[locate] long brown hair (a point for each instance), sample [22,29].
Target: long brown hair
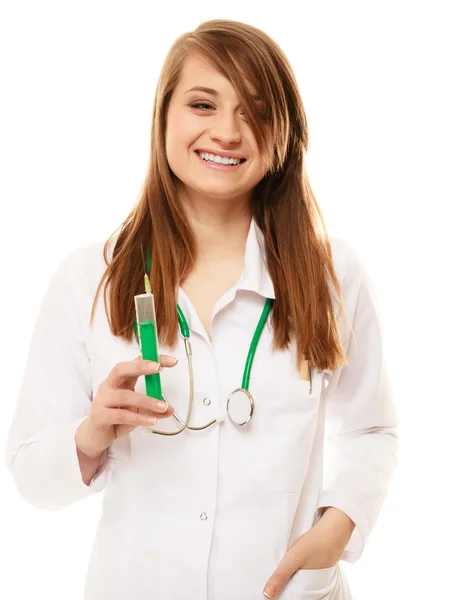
[298,251]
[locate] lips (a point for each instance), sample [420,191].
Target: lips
[218,166]
[221,154]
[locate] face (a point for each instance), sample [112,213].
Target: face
[210,124]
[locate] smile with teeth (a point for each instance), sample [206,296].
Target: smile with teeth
[224,160]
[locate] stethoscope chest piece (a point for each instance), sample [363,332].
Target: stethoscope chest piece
[240,406]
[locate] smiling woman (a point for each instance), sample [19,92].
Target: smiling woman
[245,289]
[228,90]
[210,119]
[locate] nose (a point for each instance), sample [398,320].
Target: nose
[225,130]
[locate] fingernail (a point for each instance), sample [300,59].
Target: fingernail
[162,406]
[153,367]
[151,420]
[269,592]
[172,360]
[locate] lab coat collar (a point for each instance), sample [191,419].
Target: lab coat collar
[254,277]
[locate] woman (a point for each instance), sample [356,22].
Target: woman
[229,511]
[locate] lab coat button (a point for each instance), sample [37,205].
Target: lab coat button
[203,516]
[206,401]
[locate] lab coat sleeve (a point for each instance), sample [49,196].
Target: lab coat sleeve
[55,396]
[361,418]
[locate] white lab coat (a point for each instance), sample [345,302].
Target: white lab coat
[209,515]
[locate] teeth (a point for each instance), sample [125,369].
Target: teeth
[224,160]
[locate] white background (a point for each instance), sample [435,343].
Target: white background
[78,80]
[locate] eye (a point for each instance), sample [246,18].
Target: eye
[263,113]
[205,106]
[200,105]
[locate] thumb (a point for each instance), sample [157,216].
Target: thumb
[276,583]
[287,567]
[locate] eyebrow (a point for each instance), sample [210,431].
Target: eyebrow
[199,88]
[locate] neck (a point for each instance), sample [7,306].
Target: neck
[221,228]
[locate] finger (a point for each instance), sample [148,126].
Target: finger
[131,399]
[130,369]
[158,415]
[287,567]
[122,416]
[275,584]
[165,360]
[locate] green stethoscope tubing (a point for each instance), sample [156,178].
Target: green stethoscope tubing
[185,332]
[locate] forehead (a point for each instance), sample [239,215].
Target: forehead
[198,70]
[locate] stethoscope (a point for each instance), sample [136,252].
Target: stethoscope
[240,403]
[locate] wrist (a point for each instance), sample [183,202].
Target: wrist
[89,442]
[336,525]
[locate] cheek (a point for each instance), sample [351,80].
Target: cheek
[181,131]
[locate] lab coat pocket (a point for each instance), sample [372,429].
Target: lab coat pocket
[314,584]
[278,438]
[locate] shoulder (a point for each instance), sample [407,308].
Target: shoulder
[346,261]
[84,266]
